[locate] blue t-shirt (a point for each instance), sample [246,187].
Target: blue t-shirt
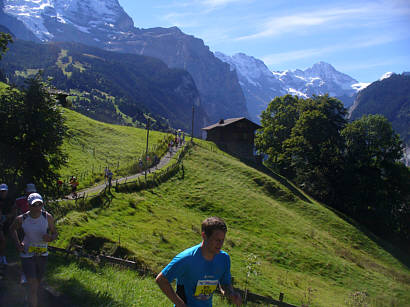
[198,276]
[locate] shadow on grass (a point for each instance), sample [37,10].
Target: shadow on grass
[396,248]
[262,168]
[73,289]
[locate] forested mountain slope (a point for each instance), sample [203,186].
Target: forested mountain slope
[108,86]
[389,97]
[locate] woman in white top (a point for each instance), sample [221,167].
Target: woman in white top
[39,229]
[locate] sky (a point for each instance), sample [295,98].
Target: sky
[362,38]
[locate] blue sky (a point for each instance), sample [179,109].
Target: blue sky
[361,38]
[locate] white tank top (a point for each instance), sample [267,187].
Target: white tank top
[34,230]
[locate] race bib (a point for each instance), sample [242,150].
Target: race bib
[205,288]
[37,249]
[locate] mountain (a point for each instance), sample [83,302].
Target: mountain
[109,86]
[106,25]
[260,85]
[390,96]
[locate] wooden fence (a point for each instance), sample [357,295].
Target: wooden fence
[84,202]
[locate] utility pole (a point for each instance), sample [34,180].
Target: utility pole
[192,131]
[146,150]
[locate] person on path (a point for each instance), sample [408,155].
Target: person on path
[39,229]
[6,216]
[170,146]
[21,206]
[106,170]
[109,178]
[74,184]
[200,269]
[140,164]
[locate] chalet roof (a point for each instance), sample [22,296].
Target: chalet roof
[229,121]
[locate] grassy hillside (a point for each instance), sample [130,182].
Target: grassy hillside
[303,249]
[92,145]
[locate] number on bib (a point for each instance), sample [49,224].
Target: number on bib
[205,288]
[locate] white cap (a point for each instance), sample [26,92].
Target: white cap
[31,188]
[4,187]
[33,198]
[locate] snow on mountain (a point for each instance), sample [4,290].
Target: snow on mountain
[86,16]
[260,85]
[386,75]
[30,13]
[359,86]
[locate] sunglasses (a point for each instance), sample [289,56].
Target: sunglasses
[37,204]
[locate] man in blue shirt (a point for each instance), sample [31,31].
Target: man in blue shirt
[200,269]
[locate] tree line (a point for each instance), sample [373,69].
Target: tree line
[352,166]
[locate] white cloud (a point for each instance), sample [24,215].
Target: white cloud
[362,42]
[292,23]
[181,20]
[213,4]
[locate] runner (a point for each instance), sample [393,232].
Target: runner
[74,183]
[106,174]
[5,218]
[21,205]
[200,269]
[39,229]
[109,177]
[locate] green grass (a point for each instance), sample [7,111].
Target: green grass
[92,145]
[304,249]
[27,73]
[91,285]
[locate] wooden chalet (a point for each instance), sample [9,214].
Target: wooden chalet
[234,135]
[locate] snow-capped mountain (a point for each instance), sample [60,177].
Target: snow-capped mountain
[104,24]
[50,19]
[260,85]
[86,16]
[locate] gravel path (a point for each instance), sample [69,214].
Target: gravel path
[93,190]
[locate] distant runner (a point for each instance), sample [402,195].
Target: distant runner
[39,229]
[109,177]
[200,269]
[74,184]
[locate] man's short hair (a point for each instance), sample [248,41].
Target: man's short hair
[210,224]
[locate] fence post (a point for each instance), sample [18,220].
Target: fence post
[280,299]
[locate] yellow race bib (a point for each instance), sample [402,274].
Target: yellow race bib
[205,288]
[37,249]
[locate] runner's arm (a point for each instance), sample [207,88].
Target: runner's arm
[52,235]
[13,232]
[228,291]
[166,288]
